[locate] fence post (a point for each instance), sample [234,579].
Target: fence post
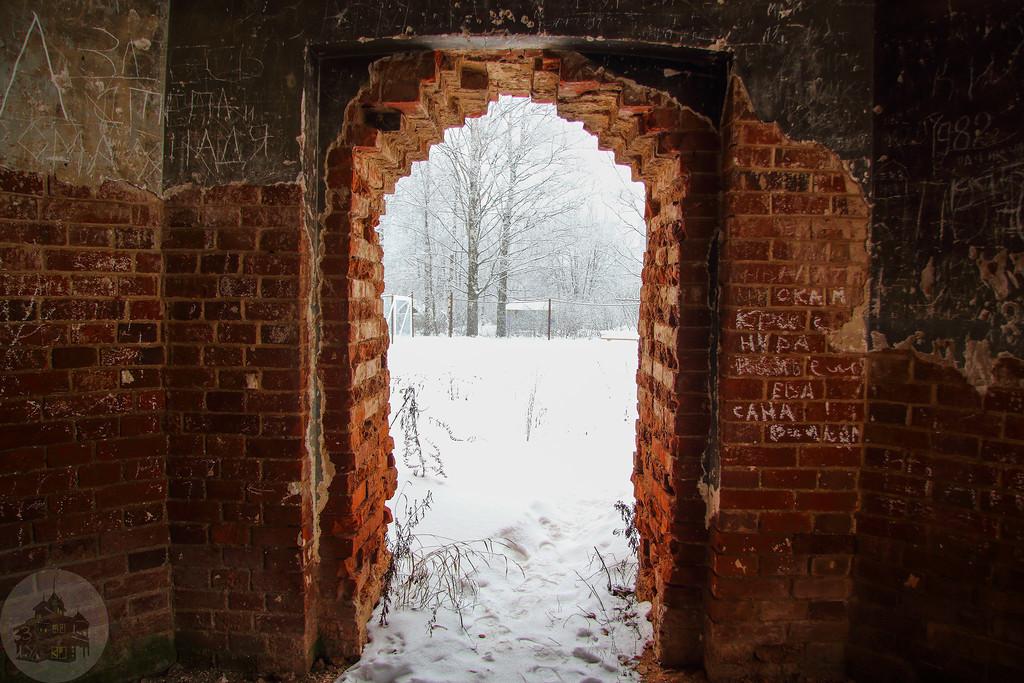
[549,319]
[451,301]
[412,314]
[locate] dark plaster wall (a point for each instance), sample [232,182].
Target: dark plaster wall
[235,70]
[948,234]
[81,89]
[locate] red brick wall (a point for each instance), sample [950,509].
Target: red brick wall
[82,449]
[240,500]
[790,404]
[939,575]
[674,427]
[359,469]
[157,391]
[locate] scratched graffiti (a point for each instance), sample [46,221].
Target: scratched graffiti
[805,63]
[842,435]
[948,229]
[765,412]
[224,134]
[82,90]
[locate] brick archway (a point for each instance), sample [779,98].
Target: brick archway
[410,102]
[750,387]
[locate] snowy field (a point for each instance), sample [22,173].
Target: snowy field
[535,440]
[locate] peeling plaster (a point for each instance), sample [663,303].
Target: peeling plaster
[979,364]
[909,343]
[980,367]
[928,278]
[852,337]
[993,272]
[1000,279]
[712,497]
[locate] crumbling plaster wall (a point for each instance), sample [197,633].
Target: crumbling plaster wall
[941,520]
[81,89]
[948,229]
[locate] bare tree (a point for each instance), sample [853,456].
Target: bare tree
[506,187]
[499,207]
[537,163]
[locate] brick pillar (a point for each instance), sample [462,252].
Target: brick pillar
[359,473]
[240,503]
[674,423]
[791,404]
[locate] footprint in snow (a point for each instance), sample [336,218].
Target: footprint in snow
[387,673]
[592,657]
[586,654]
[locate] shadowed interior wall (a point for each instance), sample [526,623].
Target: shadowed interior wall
[193,378]
[940,530]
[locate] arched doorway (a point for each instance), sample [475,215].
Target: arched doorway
[407,105]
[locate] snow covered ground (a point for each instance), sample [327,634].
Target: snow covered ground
[535,438]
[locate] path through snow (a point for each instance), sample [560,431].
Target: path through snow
[536,439]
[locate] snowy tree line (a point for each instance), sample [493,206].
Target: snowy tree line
[516,206]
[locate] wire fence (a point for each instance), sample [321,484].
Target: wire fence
[532,317]
[619,303]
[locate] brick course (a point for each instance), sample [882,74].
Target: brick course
[791,404]
[240,504]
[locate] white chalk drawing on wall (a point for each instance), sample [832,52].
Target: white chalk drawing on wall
[85,111]
[49,65]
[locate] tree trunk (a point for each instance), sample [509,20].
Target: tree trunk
[502,302]
[428,277]
[472,302]
[473,265]
[474,225]
[503,274]
[505,242]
